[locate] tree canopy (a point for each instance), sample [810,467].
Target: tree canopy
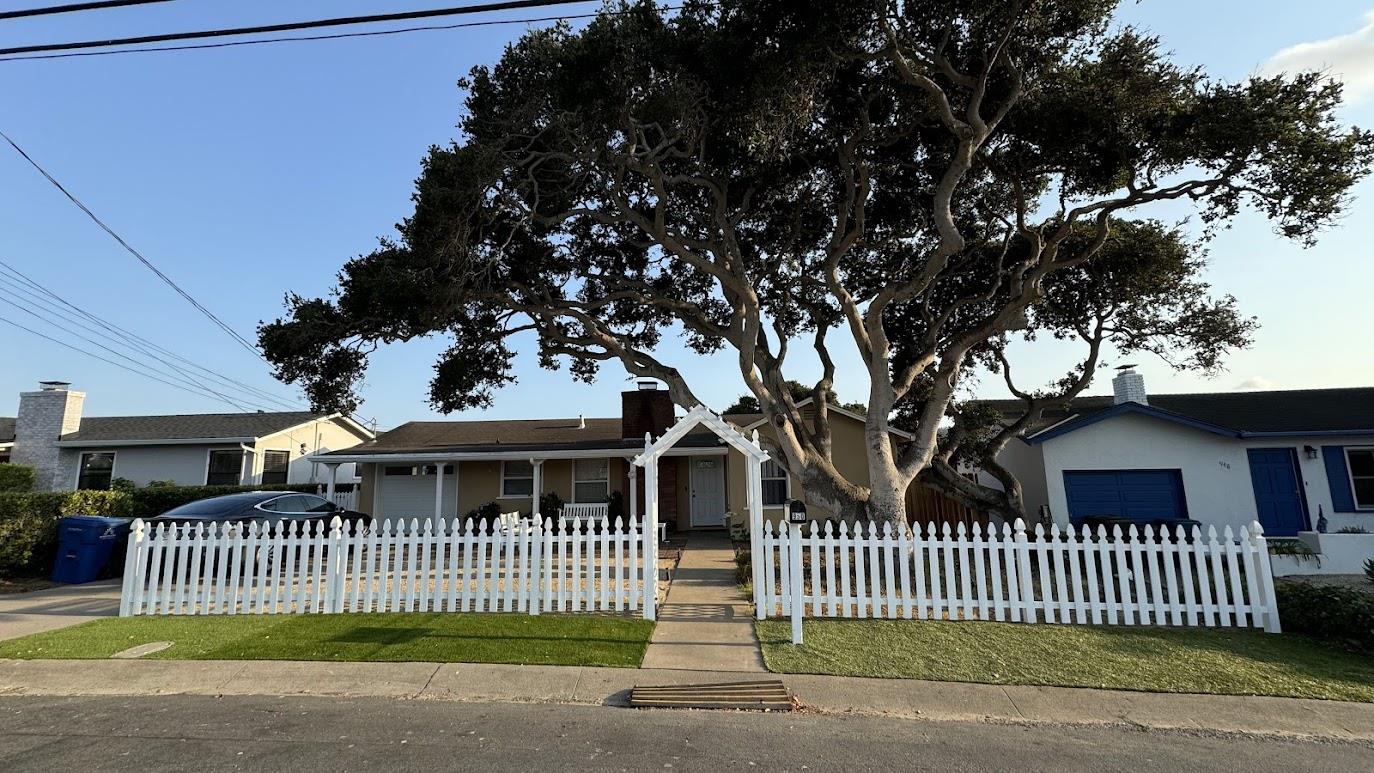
[928,179]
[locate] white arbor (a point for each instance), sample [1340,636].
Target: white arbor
[754,456]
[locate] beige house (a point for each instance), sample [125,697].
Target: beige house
[70,451]
[443,470]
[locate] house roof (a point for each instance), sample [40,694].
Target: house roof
[510,435]
[213,426]
[1281,412]
[6,429]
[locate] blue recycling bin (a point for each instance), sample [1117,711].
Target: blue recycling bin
[85,543]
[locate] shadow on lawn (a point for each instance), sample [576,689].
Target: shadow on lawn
[380,635]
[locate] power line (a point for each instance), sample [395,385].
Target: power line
[75,7]
[147,263]
[17,279]
[308,38]
[289,26]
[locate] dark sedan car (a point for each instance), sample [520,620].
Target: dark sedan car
[259,506]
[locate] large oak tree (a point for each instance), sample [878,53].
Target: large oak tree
[924,178]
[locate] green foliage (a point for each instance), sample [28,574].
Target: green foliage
[744,568]
[1339,615]
[160,496]
[28,525]
[16,477]
[615,505]
[1293,547]
[550,505]
[122,484]
[1352,530]
[1369,569]
[484,514]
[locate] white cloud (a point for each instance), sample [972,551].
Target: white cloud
[1255,383]
[1349,58]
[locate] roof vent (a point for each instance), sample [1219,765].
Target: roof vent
[54,386]
[581,421]
[1128,386]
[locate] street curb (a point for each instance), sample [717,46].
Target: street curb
[587,685]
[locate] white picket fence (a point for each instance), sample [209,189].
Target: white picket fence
[348,500]
[226,569]
[1137,576]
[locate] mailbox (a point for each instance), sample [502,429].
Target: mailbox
[796,511]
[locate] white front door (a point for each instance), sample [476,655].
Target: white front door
[708,492]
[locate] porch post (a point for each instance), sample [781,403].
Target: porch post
[633,509]
[650,543]
[438,493]
[754,495]
[378,476]
[538,465]
[333,480]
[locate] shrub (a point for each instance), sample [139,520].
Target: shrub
[1352,530]
[744,568]
[16,477]
[484,514]
[1342,616]
[550,505]
[28,525]
[1369,569]
[122,484]
[158,497]
[615,506]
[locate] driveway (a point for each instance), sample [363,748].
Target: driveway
[24,613]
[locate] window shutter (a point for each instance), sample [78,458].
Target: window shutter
[1338,479]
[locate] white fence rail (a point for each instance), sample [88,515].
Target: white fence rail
[226,569]
[1137,576]
[348,500]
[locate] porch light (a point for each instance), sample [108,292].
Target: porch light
[1310,452]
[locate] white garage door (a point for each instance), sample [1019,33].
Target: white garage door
[408,492]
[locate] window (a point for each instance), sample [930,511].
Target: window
[96,470]
[776,486]
[274,466]
[1361,463]
[225,469]
[288,504]
[398,471]
[591,480]
[517,478]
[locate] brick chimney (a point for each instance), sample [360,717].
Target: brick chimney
[1128,387]
[44,417]
[646,409]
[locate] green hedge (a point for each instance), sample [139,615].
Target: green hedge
[28,525]
[1341,616]
[156,500]
[16,477]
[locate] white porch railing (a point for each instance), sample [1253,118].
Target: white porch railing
[402,567]
[1140,576]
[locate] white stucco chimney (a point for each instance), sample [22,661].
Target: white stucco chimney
[44,417]
[1128,386]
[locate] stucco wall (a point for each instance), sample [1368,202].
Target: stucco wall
[1215,469]
[183,464]
[317,437]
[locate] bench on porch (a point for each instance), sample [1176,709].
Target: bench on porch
[583,512]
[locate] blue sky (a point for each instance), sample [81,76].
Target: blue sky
[247,172]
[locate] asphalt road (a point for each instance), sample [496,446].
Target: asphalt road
[321,734]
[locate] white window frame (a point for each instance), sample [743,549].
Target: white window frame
[209,452]
[114,462]
[787,483]
[504,477]
[1350,476]
[575,481]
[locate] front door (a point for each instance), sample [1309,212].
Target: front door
[708,492]
[1278,491]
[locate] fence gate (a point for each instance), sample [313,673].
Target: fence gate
[1135,576]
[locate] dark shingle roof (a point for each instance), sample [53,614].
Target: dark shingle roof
[201,425]
[513,435]
[1286,411]
[6,429]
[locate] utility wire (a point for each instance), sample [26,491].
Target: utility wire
[17,279]
[147,263]
[307,38]
[288,26]
[75,7]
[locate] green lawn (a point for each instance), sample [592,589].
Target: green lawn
[1200,660]
[572,640]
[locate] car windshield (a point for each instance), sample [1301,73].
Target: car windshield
[215,505]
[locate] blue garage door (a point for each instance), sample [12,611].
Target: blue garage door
[1141,495]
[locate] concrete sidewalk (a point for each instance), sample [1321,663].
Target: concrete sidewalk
[705,624]
[610,686]
[24,613]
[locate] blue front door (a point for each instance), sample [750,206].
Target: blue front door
[1278,491]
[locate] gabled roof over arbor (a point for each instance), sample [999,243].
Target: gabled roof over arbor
[700,416]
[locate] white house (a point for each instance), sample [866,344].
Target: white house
[1284,458]
[69,451]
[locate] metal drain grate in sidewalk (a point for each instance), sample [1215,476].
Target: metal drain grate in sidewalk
[768,695]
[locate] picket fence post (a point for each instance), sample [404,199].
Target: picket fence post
[334,596]
[1021,547]
[133,577]
[1264,598]
[794,555]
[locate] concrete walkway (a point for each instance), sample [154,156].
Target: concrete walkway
[24,613]
[944,701]
[704,624]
